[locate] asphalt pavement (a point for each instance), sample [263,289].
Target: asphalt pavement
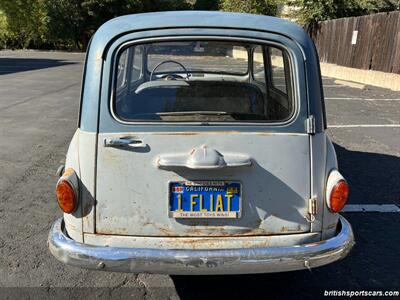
[39,100]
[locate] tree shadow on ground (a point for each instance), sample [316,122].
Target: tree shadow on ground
[14,65]
[374,178]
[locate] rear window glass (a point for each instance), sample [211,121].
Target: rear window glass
[200,57]
[258,65]
[278,71]
[202,81]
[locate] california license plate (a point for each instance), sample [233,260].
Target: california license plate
[205,199]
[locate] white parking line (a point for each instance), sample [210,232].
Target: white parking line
[365,126]
[371,208]
[362,99]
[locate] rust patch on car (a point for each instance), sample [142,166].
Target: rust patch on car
[167,232]
[285,229]
[216,243]
[86,207]
[194,133]
[114,231]
[111,155]
[213,232]
[71,226]
[331,226]
[68,172]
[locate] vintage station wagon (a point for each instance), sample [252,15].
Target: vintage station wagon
[201,149]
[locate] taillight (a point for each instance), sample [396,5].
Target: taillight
[66,192]
[339,195]
[337,191]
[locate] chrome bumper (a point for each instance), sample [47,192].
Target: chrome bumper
[221,261]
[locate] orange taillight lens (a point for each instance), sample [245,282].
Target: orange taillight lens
[66,196]
[339,195]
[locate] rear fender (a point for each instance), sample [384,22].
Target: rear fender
[81,157]
[73,221]
[329,219]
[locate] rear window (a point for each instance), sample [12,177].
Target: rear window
[202,81]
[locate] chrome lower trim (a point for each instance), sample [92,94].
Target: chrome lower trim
[222,261]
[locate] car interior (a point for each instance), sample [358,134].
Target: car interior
[207,81]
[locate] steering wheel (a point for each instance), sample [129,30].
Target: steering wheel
[169,76]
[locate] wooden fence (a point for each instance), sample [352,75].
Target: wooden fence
[368,42]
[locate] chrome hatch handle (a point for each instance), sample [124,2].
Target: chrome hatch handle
[124,142]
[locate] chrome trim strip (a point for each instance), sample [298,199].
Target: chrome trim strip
[224,261]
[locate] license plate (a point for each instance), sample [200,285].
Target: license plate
[205,199]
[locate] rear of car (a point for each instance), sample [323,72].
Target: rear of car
[205,156]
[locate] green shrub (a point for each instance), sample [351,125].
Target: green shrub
[206,5]
[309,12]
[262,7]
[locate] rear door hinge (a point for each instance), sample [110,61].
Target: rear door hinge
[310,125]
[312,209]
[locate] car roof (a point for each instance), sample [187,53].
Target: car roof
[192,19]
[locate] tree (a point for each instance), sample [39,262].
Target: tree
[165,5]
[4,33]
[26,21]
[97,12]
[206,5]
[263,7]
[66,23]
[309,12]
[75,21]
